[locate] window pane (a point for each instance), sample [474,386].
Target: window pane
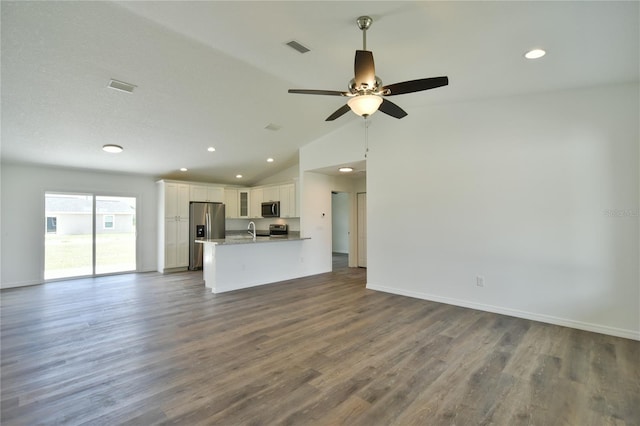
[115,234]
[68,235]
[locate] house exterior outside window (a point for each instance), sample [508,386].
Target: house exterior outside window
[108,221]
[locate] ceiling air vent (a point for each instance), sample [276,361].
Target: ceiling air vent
[273,127]
[121,85]
[297,46]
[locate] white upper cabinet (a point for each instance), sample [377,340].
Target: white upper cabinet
[231,203]
[236,202]
[207,193]
[244,199]
[176,200]
[270,193]
[255,196]
[288,200]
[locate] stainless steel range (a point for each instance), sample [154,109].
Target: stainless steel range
[276,230]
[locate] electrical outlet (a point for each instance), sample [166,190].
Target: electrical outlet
[480,281]
[302,260]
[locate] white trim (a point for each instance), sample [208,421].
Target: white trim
[596,328]
[18,284]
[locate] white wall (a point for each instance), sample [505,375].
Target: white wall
[538,194]
[340,222]
[22,215]
[283,176]
[338,147]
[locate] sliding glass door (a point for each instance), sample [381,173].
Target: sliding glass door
[88,234]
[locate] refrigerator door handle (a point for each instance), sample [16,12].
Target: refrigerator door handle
[208,225]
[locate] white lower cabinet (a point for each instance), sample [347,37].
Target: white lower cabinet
[176,242]
[173,229]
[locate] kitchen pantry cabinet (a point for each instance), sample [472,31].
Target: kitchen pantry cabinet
[173,232]
[214,194]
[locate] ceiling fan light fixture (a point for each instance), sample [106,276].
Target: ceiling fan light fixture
[364,105]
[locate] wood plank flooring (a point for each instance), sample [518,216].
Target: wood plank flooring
[149,349]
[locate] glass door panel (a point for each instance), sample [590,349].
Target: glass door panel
[68,235]
[115,225]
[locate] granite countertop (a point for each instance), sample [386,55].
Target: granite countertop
[245,238]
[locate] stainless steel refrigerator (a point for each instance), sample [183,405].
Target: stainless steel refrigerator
[206,221]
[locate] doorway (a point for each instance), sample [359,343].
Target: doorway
[362,229]
[340,232]
[88,234]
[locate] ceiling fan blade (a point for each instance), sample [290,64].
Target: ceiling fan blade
[365,70]
[391,109]
[318,92]
[416,85]
[339,112]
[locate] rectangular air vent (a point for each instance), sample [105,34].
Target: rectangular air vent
[121,85]
[273,127]
[297,46]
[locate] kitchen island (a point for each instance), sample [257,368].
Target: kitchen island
[239,261]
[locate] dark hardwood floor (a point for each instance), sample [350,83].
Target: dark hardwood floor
[149,349]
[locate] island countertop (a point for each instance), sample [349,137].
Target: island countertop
[238,261]
[244,238]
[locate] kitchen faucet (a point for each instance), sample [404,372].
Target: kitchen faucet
[253,234]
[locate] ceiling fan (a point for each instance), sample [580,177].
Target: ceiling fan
[366,91]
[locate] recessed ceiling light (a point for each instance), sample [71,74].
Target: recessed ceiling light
[183,169]
[238,176]
[211,149]
[113,149]
[535,54]
[270,160]
[345,169]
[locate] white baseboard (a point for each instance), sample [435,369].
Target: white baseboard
[596,328]
[20,284]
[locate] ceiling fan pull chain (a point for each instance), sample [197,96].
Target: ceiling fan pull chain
[366,136]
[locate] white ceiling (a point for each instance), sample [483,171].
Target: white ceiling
[216,73]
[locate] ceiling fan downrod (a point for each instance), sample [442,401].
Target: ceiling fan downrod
[364,22]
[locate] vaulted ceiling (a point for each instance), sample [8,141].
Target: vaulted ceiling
[212,73]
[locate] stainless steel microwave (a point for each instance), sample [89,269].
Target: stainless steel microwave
[271,209]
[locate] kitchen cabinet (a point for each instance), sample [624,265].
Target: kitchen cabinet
[236,202]
[176,200]
[173,232]
[270,193]
[243,203]
[207,193]
[176,243]
[255,197]
[288,200]
[231,203]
